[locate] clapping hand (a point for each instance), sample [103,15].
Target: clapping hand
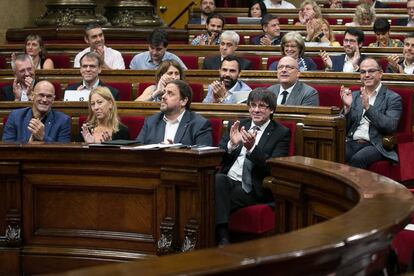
[248,138]
[364,98]
[219,91]
[235,135]
[37,128]
[346,97]
[326,59]
[86,134]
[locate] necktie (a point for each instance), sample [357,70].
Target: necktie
[247,169]
[284,93]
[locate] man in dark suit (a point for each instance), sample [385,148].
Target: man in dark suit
[348,62]
[176,123]
[370,113]
[409,21]
[290,90]
[271,31]
[24,80]
[229,40]
[39,122]
[248,145]
[90,68]
[404,65]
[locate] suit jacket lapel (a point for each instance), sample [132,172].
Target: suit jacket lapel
[266,135]
[380,96]
[182,127]
[160,129]
[295,91]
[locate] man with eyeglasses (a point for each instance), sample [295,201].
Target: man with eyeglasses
[348,62]
[409,21]
[404,65]
[229,89]
[39,122]
[290,90]
[248,144]
[371,113]
[90,68]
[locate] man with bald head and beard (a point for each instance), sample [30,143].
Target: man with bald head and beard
[290,90]
[224,90]
[39,122]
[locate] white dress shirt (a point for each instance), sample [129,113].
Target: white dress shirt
[113,58]
[171,127]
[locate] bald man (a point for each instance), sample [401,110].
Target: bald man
[39,122]
[291,91]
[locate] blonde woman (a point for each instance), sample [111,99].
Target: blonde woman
[103,123]
[167,71]
[308,10]
[364,15]
[319,30]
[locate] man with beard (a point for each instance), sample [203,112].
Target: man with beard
[225,90]
[371,113]
[39,122]
[111,59]
[409,21]
[229,40]
[214,26]
[207,7]
[176,123]
[24,79]
[290,90]
[271,29]
[348,62]
[157,52]
[90,68]
[406,64]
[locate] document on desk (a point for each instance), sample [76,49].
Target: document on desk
[153,146]
[203,148]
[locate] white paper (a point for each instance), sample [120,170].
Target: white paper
[76,95]
[152,146]
[204,148]
[409,227]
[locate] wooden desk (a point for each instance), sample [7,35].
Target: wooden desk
[349,215]
[67,206]
[320,131]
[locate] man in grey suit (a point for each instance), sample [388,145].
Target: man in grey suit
[290,90]
[370,113]
[176,123]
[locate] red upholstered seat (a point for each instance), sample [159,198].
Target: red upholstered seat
[2,62]
[190,61]
[272,59]
[127,59]
[217,126]
[255,61]
[124,88]
[231,19]
[403,171]
[260,218]
[60,60]
[337,21]
[134,124]
[329,95]
[198,90]
[319,63]
[256,85]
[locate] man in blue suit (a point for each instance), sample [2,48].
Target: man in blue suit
[176,123]
[39,122]
[348,62]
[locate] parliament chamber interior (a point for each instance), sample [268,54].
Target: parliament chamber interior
[86,208]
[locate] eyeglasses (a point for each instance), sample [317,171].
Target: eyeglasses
[259,106]
[369,71]
[288,67]
[350,41]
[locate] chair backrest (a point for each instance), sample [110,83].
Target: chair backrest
[292,126]
[319,63]
[217,127]
[60,60]
[127,59]
[404,131]
[134,124]
[272,59]
[124,88]
[255,61]
[3,63]
[329,95]
[190,61]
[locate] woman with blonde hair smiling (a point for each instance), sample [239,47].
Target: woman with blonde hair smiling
[103,123]
[364,15]
[308,10]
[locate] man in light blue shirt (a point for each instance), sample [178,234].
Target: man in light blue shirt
[157,52]
[229,89]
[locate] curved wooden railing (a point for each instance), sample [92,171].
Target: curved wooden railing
[362,212]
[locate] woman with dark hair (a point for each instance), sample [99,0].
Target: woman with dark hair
[257,8]
[168,70]
[293,45]
[35,48]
